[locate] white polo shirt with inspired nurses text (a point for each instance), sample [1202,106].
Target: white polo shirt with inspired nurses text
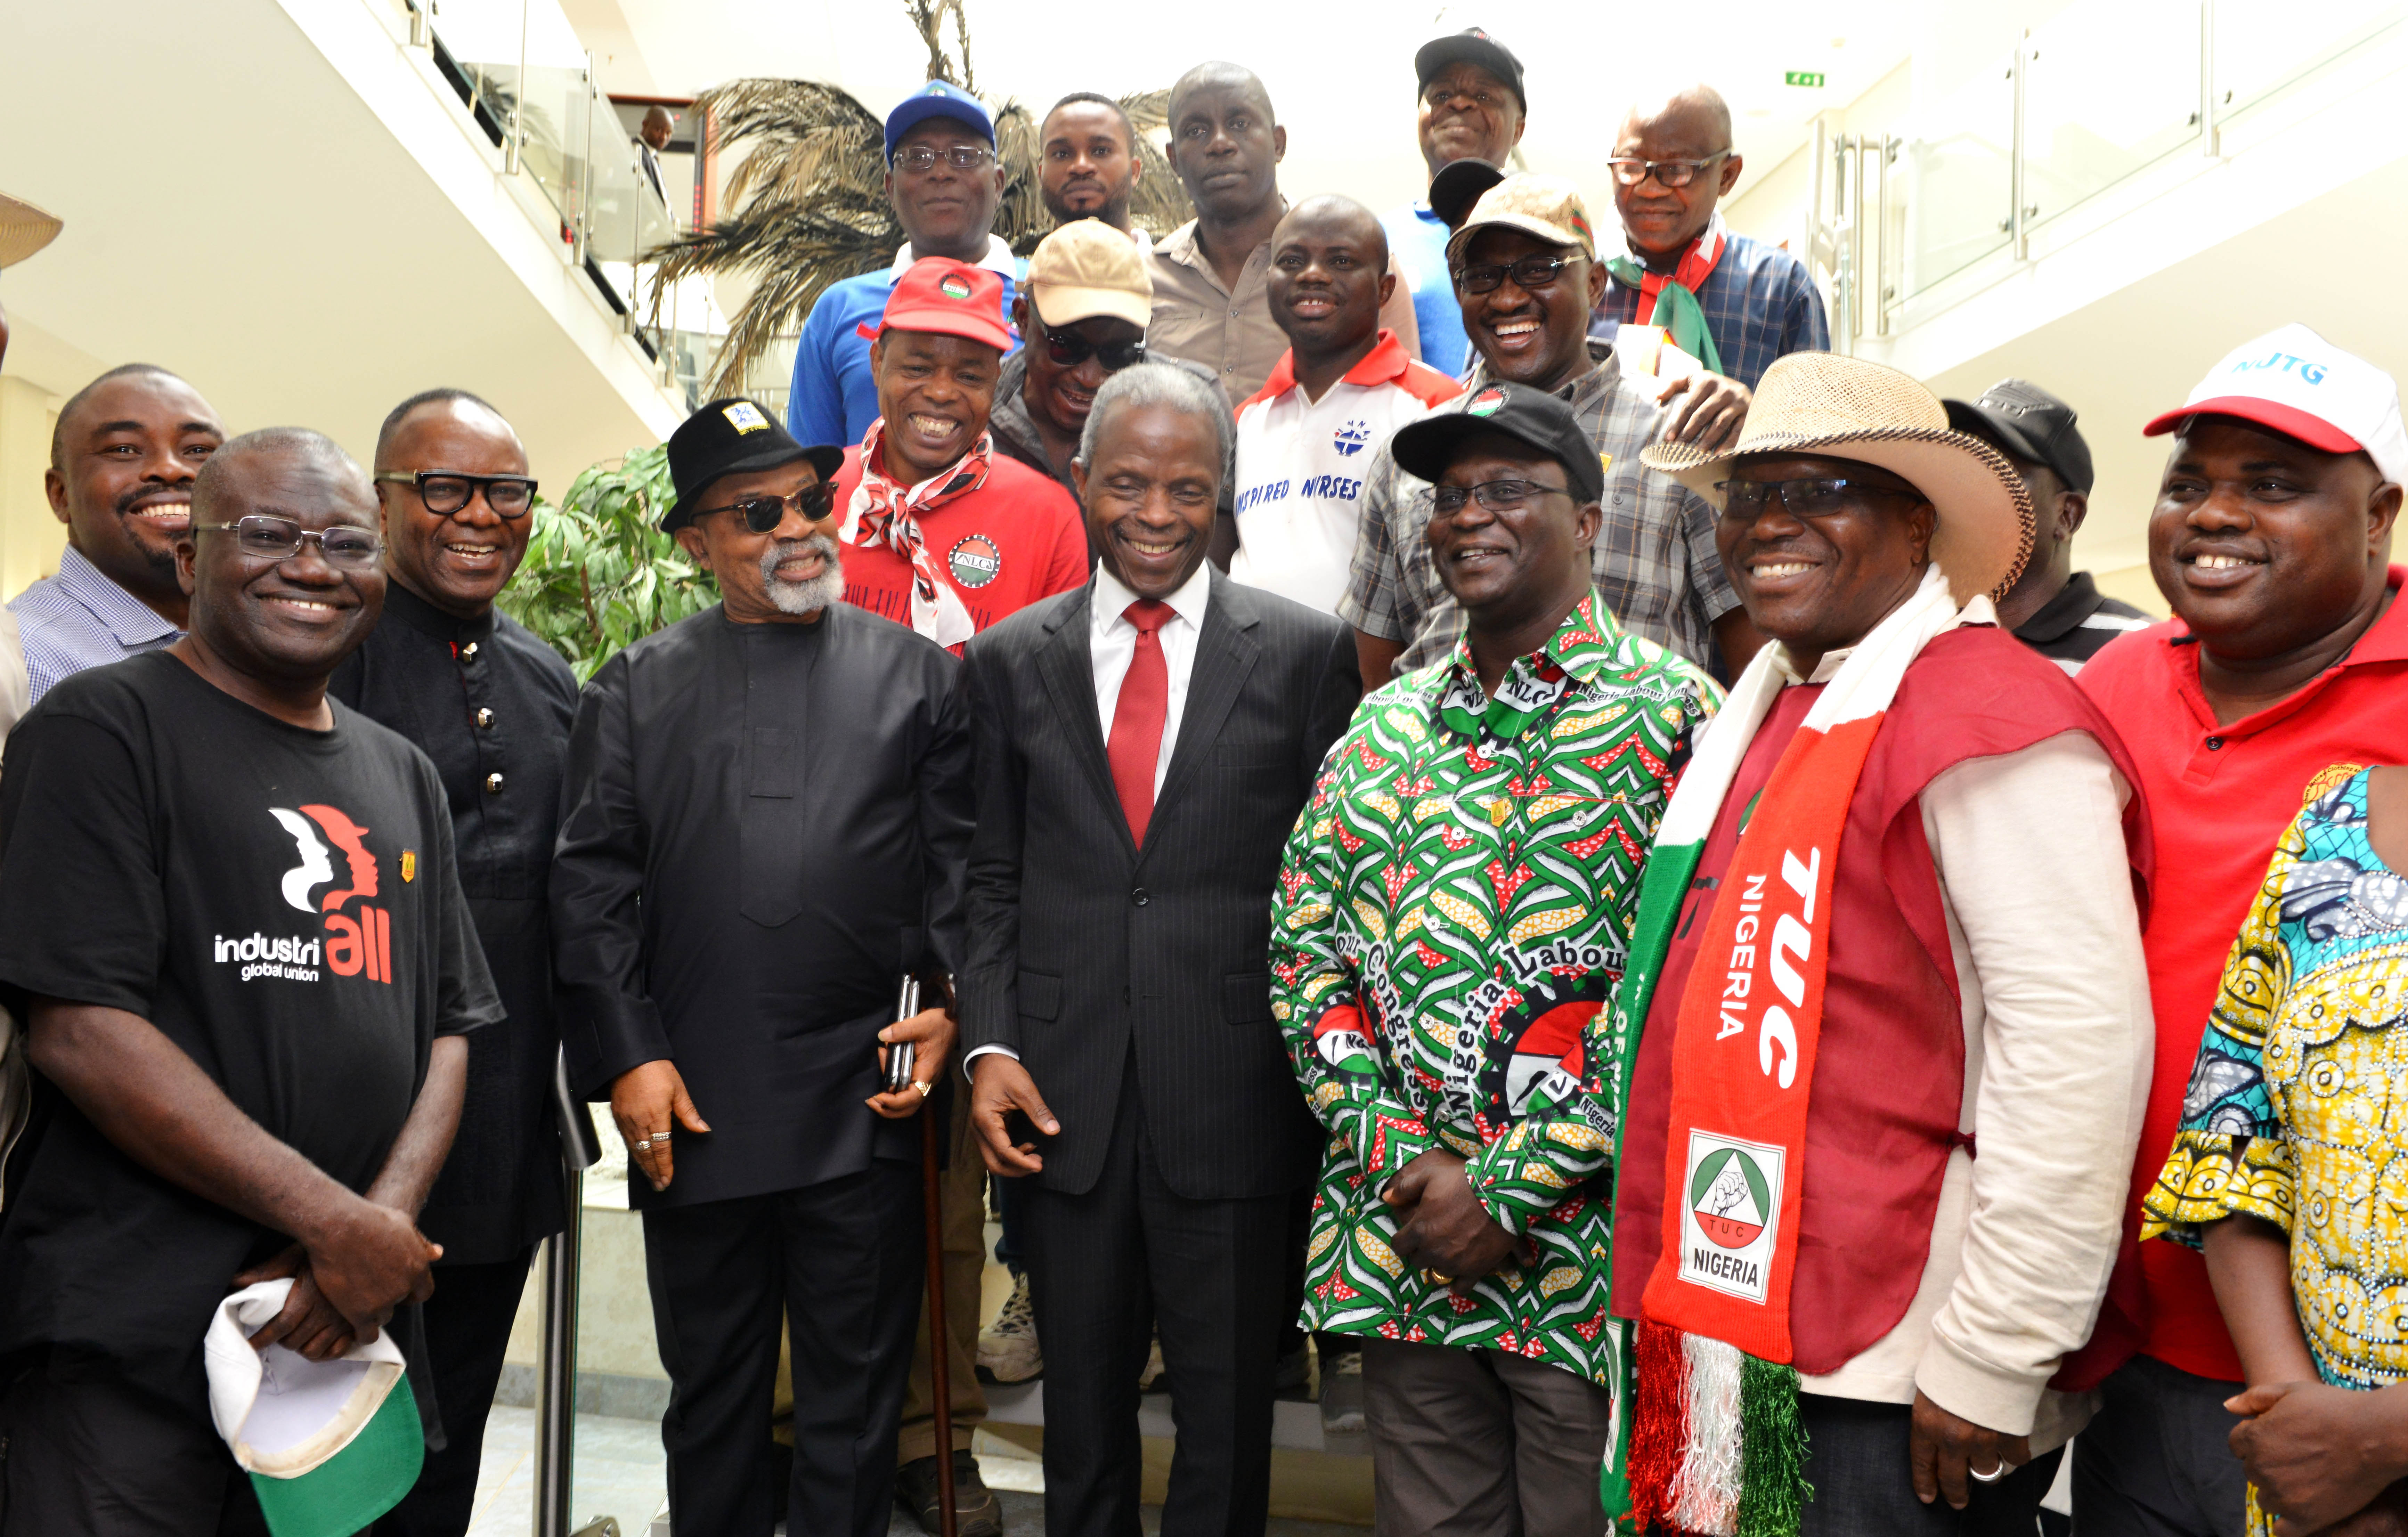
[1300,467]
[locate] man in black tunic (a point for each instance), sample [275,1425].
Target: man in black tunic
[766,817]
[491,704]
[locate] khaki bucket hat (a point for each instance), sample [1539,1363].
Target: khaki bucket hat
[1844,408]
[25,229]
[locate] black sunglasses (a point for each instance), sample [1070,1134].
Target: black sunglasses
[1815,496]
[1068,349]
[1529,274]
[446,492]
[762,514]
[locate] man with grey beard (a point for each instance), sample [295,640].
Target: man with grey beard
[766,814]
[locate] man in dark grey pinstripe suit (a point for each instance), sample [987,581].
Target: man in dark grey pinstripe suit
[1144,744]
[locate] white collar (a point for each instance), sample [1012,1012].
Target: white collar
[998,258]
[1113,597]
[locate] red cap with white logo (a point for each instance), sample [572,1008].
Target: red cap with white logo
[2302,386]
[948,298]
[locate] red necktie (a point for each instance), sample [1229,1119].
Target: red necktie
[1136,744]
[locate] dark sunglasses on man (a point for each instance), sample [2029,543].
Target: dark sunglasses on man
[1529,274]
[1068,349]
[446,492]
[762,514]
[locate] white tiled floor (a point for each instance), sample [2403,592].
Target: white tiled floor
[617,1471]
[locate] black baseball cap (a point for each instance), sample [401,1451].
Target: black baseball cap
[1458,187]
[2025,421]
[1471,46]
[732,437]
[1530,416]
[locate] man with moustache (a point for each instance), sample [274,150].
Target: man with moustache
[941,532]
[1209,274]
[1525,270]
[2288,654]
[490,705]
[1883,1066]
[245,1012]
[124,455]
[1472,107]
[1087,164]
[765,814]
[1343,386]
[944,184]
[1733,302]
[1143,745]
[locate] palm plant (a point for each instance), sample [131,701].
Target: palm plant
[807,203]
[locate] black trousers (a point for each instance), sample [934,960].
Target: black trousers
[1127,1260]
[2156,1459]
[466,1326]
[1858,1462]
[84,1453]
[842,1263]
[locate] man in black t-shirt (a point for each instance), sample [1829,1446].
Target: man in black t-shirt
[230,917]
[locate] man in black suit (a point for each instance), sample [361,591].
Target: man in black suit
[1144,744]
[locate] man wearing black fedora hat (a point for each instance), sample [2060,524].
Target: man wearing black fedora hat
[764,824]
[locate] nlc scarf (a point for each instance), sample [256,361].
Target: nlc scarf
[1710,1441]
[886,512]
[1669,299]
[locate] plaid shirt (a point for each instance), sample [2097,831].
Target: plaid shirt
[1760,303]
[79,619]
[1654,558]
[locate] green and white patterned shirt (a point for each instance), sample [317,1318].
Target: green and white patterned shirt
[1451,918]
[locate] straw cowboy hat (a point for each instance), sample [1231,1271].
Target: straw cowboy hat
[1844,408]
[25,229]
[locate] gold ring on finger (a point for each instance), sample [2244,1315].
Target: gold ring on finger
[922,1086]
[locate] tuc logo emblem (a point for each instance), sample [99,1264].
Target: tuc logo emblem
[1731,1215]
[358,942]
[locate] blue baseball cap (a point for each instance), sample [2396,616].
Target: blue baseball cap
[937,99]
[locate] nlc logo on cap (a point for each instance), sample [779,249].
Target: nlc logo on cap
[1488,402]
[952,285]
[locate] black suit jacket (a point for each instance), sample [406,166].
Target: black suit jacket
[1083,946]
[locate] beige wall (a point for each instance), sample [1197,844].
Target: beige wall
[31,536]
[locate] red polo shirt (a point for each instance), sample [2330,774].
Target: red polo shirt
[2220,797]
[1016,538]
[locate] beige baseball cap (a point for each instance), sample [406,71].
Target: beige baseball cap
[1088,268]
[25,229]
[1547,207]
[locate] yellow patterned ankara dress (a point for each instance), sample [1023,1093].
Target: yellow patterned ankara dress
[2298,1106]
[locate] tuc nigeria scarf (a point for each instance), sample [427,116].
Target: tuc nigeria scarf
[1669,299]
[1710,1443]
[885,511]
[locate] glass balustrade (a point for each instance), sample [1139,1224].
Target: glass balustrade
[1957,181]
[2262,46]
[2108,89]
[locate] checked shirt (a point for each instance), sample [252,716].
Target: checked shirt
[1451,915]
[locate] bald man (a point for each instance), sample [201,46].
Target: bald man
[123,456]
[1735,302]
[650,139]
[247,1034]
[1210,303]
[1306,438]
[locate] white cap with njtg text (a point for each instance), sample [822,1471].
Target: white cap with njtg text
[2303,386]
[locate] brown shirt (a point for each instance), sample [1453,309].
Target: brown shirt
[1232,334]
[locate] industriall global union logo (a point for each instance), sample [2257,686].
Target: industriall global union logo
[1353,439]
[1730,1220]
[355,943]
[975,561]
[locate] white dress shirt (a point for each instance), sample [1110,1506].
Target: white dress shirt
[1111,646]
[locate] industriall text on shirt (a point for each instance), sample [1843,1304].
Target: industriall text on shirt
[350,943]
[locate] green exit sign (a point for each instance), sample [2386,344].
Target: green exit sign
[1811,77]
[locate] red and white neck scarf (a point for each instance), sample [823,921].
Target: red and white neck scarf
[885,511]
[1669,299]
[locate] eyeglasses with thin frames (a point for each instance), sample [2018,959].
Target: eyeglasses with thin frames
[1495,495]
[762,514]
[260,537]
[446,491]
[916,158]
[1529,274]
[1629,170]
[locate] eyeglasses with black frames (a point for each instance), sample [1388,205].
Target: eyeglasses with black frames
[260,537]
[916,158]
[1495,495]
[446,492]
[762,514]
[1629,170]
[1822,497]
[1529,274]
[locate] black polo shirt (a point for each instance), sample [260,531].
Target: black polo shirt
[2075,625]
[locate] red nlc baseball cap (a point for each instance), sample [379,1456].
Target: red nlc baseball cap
[948,298]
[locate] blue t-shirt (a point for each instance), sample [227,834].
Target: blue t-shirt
[1417,240]
[833,399]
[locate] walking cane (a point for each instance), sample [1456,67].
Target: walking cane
[898,1074]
